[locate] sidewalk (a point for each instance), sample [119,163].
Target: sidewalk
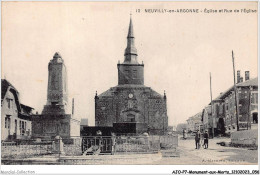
[123,159]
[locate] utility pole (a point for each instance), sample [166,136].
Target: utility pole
[211,106]
[249,108]
[235,89]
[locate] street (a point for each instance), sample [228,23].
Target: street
[214,155]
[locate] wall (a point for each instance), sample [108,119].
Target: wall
[245,138]
[52,125]
[126,74]
[74,127]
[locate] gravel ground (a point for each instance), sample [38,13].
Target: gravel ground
[214,155]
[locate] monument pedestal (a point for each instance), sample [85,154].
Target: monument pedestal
[48,126]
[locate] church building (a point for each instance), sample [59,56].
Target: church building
[131,105]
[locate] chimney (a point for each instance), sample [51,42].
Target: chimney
[241,79]
[238,76]
[247,75]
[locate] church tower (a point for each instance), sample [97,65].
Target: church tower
[131,107]
[57,95]
[130,71]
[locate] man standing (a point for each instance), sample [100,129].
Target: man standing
[197,140]
[206,140]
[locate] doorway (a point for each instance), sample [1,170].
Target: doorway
[221,126]
[255,117]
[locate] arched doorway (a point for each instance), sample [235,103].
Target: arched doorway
[221,126]
[255,117]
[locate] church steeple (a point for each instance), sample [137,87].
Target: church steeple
[130,51]
[130,71]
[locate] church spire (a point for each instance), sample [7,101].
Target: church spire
[130,51]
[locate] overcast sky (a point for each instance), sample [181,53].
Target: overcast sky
[178,49]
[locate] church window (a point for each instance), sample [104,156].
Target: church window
[130,104]
[134,73]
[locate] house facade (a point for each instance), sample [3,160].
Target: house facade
[15,117]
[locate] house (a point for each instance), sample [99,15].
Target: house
[223,118]
[15,116]
[247,95]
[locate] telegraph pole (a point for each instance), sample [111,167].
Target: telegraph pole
[235,89]
[211,105]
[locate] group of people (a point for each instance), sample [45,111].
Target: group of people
[199,137]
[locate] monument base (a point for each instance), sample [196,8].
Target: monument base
[47,126]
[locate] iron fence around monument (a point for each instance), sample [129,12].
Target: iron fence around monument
[88,145]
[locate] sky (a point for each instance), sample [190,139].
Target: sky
[179,50]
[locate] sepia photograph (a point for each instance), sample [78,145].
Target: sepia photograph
[129,83]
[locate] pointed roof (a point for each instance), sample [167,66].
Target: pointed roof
[130,51]
[57,58]
[130,30]
[57,55]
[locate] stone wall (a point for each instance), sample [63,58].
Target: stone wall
[245,138]
[53,125]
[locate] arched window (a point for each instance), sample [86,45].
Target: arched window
[130,118]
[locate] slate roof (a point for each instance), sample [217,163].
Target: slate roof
[252,82]
[110,91]
[4,86]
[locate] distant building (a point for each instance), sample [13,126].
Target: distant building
[131,104]
[15,117]
[180,127]
[83,123]
[194,123]
[206,115]
[55,118]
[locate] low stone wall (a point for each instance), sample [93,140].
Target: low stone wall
[245,138]
[12,150]
[73,149]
